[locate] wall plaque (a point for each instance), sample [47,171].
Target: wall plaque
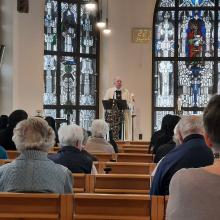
[141,35]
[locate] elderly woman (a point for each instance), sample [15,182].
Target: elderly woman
[32,171]
[97,143]
[71,154]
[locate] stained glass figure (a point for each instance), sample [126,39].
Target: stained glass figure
[68,26]
[50,25]
[50,63]
[88,37]
[196,3]
[186,72]
[86,118]
[165,34]
[87,81]
[196,33]
[68,81]
[164,91]
[71,55]
[195,83]
[167,3]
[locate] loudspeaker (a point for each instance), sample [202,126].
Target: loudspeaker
[23,6]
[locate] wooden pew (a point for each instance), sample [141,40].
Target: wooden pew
[126,167]
[158,206]
[132,157]
[120,183]
[12,154]
[104,156]
[111,206]
[133,150]
[80,182]
[35,206]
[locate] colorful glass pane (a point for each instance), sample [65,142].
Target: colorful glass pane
[50,68]
[86,118]
[164,34]
[167,3]
[158,118]
[68,26]
[196,34]
[195,82]
[87,81]
[164,90]
[50,25]
[88,35]
[68,81]
[192,113]
[196,3]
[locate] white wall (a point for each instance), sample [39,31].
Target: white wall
[22,70]
[21,77]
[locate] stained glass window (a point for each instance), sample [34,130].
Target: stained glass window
[70,62]
[186,56]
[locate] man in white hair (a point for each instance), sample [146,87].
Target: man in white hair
[191,153]
[117,92]
[71,154]
[97,143]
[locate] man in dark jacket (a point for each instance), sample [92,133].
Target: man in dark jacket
[191,153]
[71,154]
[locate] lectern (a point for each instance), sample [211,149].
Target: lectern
[114,115]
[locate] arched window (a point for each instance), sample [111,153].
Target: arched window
[186,51]
[71,48]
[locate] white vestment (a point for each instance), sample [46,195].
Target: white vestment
[125,95]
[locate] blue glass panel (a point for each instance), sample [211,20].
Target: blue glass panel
[87,81]
[195,82]
[68,81]
[86,118]
[196,34]
[50,69]
[164,34]
[50,25]
[219,33]
[164,87]
[88,33]
[196,3]
[68,26]
[192,113]
[158,116]
[167,3]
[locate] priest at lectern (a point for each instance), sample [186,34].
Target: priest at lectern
[118,93]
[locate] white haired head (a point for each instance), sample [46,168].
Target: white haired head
[190,124]
[117,82]
[71,135]
[99,128]
[33,133]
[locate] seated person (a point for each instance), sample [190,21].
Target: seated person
[51,121]
[3,122]
[71,155]
[97,142]
[167,134]
[198,188]
[192,152]
[3,153]
[7,133]
[32,171]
